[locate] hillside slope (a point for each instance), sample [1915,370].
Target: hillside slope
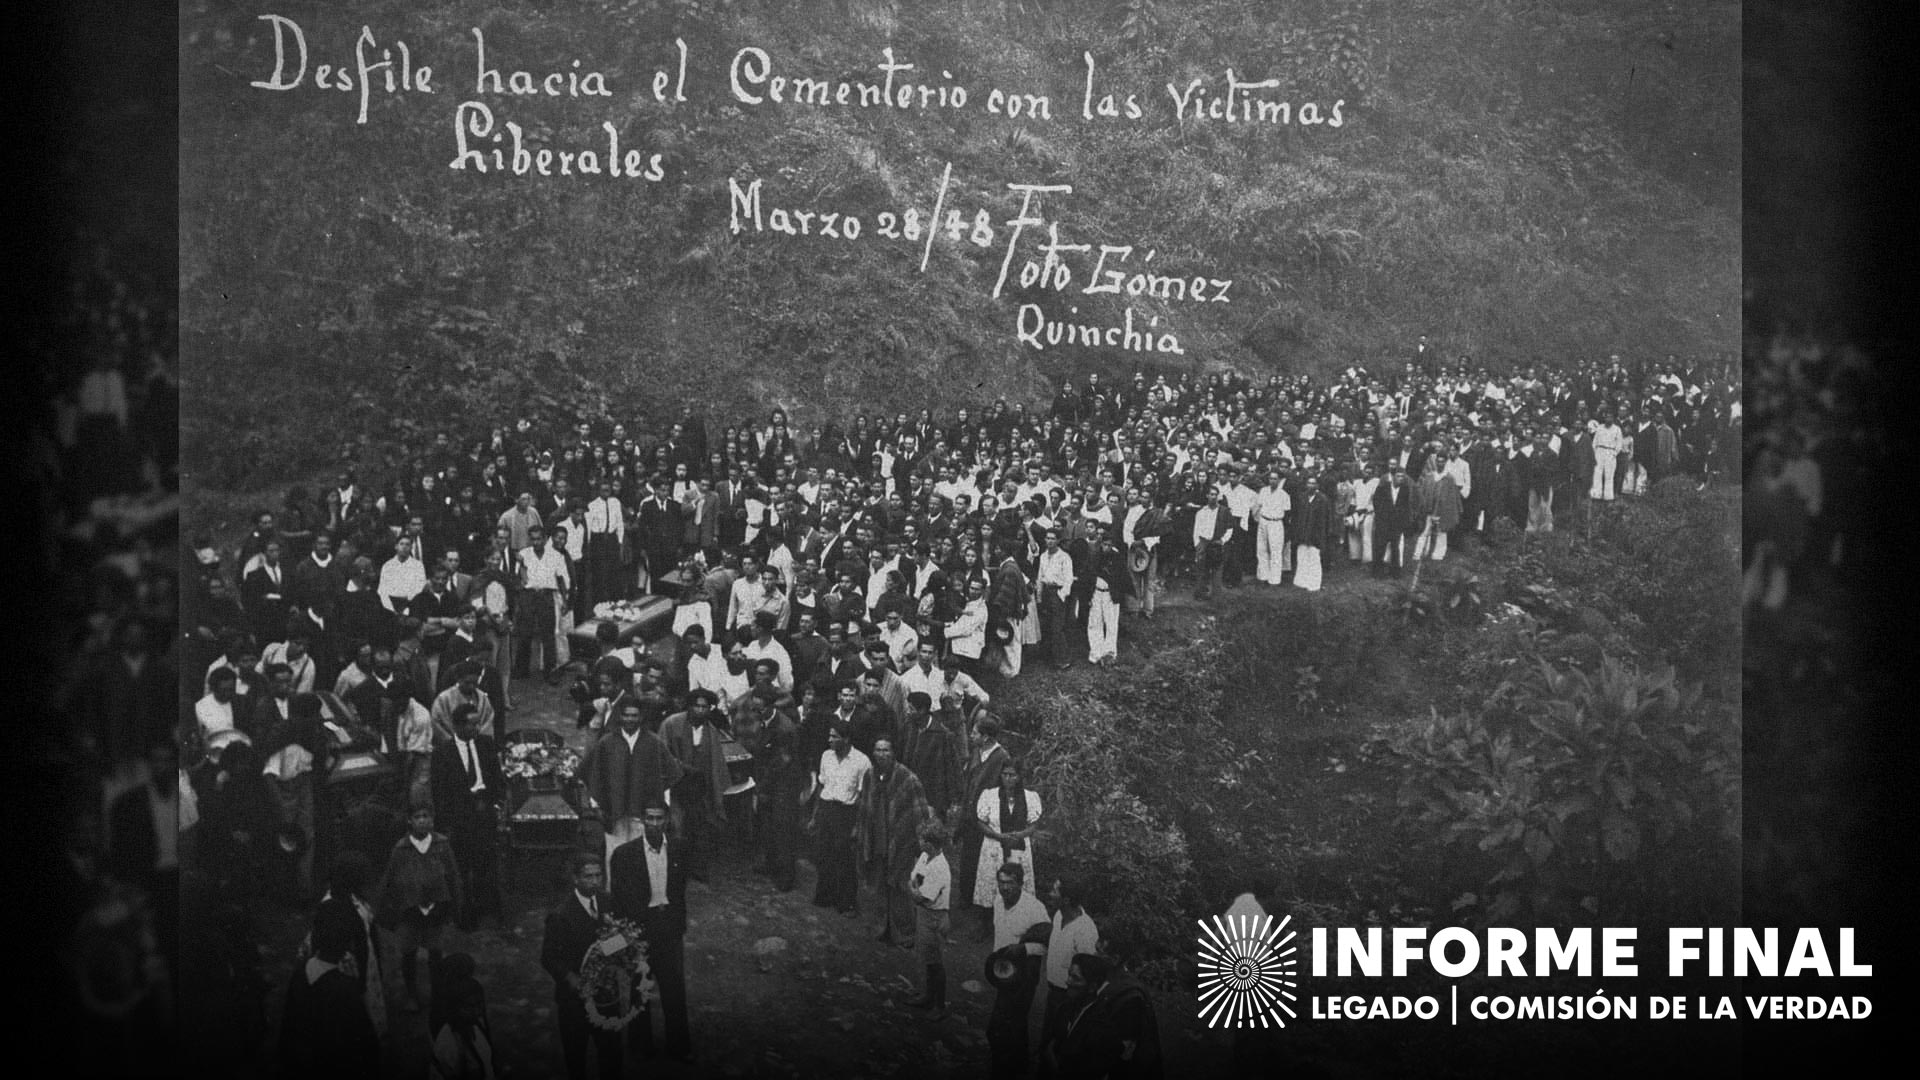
[1521,185]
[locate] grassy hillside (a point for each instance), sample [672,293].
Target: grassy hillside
[1520,184]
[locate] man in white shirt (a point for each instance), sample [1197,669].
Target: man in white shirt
[706,663]
[1130,527]
[1360,522]
[1270,506]
[764,647]
[1240,498]
[649,887]
[1607,441]
[931,882]
[543,575]
[903,644]
[402,578]
[606,532]
[838,787]
[1055,582]
[519,520]
[289,776]
[1020,925]
[215,711]
[1212,533]
[878,573]
[747,597]
[924,676]
[293,653]
[1073,933]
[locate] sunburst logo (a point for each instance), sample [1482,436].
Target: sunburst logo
[1246,971]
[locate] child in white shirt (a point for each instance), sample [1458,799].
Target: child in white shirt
[931,883]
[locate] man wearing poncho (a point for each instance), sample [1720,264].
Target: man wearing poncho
[890,818]
[627,769]
[699,795]
[1314,527]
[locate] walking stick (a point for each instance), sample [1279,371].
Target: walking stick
[1420,557]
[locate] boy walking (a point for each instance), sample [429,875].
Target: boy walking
[931,884]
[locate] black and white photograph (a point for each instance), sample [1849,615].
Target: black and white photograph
[1068,539]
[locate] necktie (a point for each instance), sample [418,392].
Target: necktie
[473,766]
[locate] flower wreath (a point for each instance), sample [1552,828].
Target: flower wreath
[616,982]
[524,761]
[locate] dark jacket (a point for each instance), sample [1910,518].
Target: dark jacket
[325,1030]
[453,805]
[570,931]
[1095,1043]
[1314,521]
[1393,515]
[632,889]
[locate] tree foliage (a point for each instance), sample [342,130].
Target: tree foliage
[1608,796]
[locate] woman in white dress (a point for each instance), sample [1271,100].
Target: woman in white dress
[1008,816]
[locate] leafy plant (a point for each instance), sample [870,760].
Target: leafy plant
[1306,690]
[1610,791]
[1140,25]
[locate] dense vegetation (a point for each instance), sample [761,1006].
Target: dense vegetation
[1546,733]
[1520,184]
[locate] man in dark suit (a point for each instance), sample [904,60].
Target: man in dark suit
[571,930]
[1426,357]
[372,702]
[143,840]
[659,532]
[1392,518]
[461,584]
[325,1029]
[318,579]
[732,492]
[346,903]
[650,888]
[461,646]
[436,605]
[841,666]
[468,789]
[1109,1028]
[264,594]
[700,514]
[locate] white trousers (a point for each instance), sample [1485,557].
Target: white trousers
[1011,656]
[1271,549]
[562,626]
[1603,463]
[1103,627]
[1360,539]
[1540,511]
[1306,570]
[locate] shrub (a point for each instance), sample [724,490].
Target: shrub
[1132,859]
[1612,791]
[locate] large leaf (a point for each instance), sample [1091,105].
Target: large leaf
[1621,786]
[1620,836]
[1570,805]
[1539,846]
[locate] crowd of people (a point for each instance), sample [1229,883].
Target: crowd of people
[990,534]
[845,600]
[101,457]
